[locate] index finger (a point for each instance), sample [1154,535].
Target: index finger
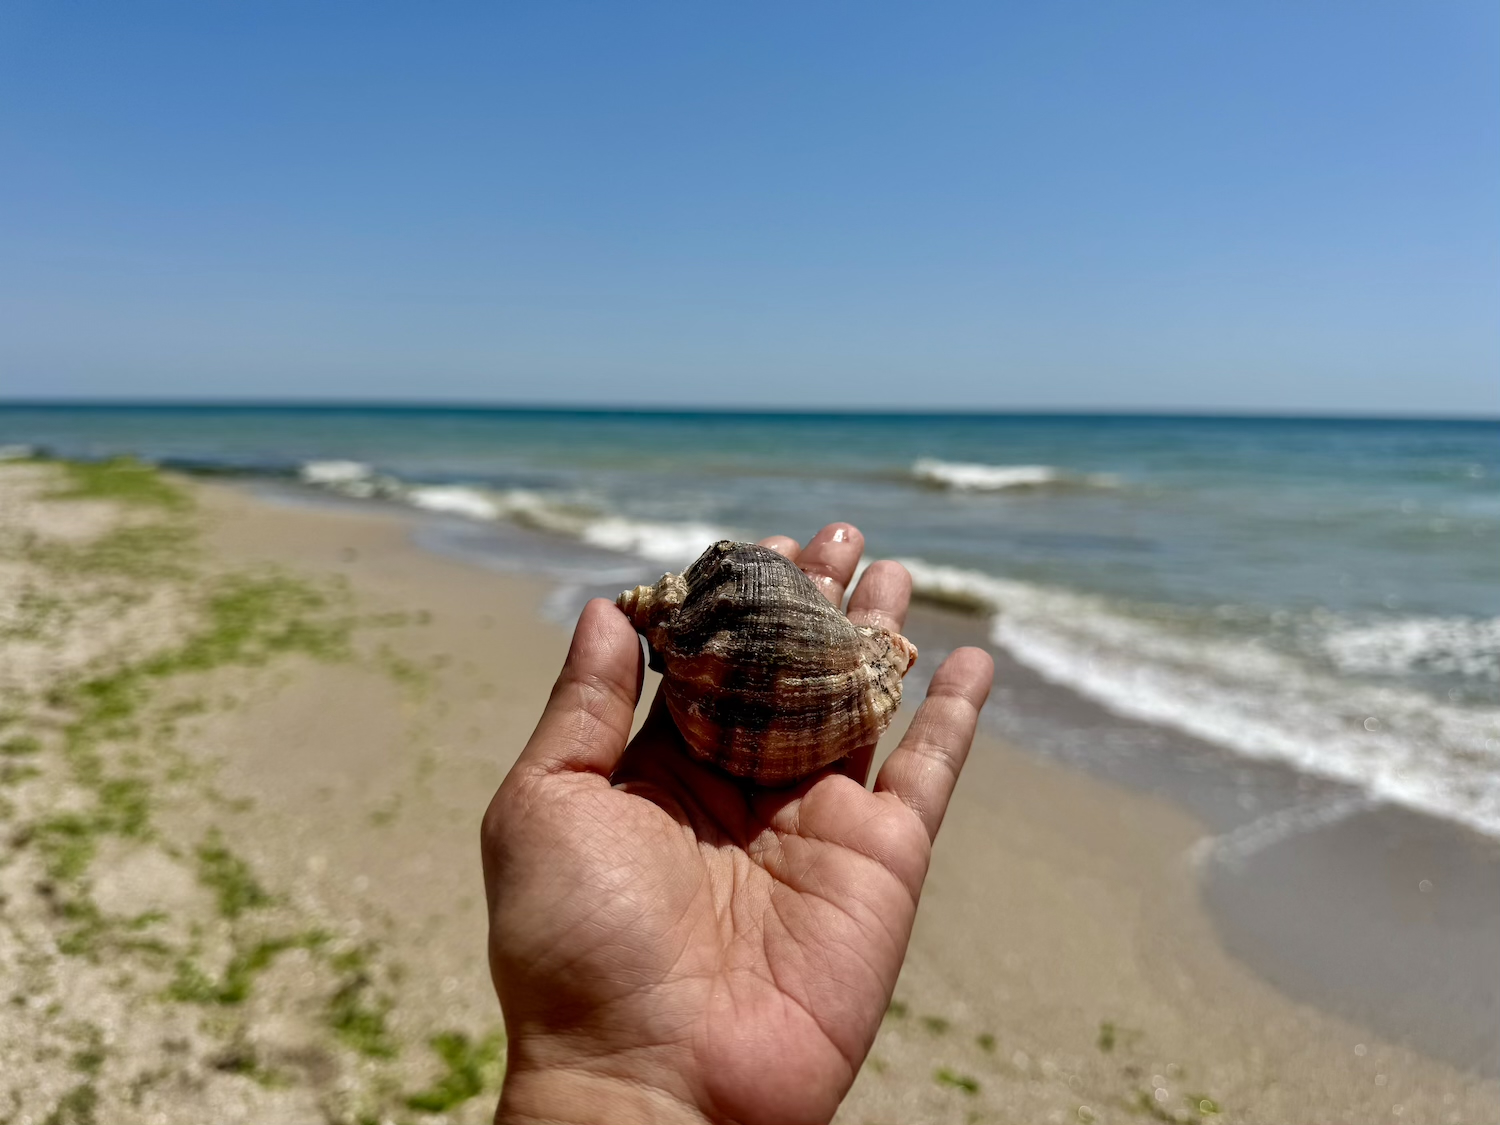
[922,771]
[586,722]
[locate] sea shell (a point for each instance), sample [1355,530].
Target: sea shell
[763,675]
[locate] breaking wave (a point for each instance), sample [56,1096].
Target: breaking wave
[1394,742]
[963,476]
[667,543]
[1443,646]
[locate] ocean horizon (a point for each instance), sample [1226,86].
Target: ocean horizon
[465,406]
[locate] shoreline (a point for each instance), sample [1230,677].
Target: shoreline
[1197,822]
[1064,967]
[1409,953]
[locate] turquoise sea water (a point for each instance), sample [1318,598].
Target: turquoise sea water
[1325,593]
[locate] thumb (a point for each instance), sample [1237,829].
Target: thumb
[587,719]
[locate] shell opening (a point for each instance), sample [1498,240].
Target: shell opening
[905,647]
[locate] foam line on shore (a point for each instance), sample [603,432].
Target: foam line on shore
[659,541]
[1234,848]
[1437,645]
[1394,742]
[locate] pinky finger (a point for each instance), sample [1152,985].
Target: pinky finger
[922,771]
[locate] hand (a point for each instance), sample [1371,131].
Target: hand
[670,944]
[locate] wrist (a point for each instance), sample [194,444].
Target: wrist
[561,1096]
[544,1087]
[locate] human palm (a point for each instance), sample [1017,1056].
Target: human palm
[670,943]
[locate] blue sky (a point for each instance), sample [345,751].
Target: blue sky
[1147,205]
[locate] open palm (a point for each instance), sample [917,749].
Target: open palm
[670,943]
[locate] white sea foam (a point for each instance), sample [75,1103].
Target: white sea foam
[454,500]
[671,543]
[1394,742]
[348,478]
[974,477]
[675,544]
[331,474]
[954,585]
[1434,645]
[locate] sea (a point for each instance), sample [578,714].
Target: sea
[1318,593]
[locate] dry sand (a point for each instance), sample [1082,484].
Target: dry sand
[1062,968]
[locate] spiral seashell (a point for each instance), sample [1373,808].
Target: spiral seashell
[763,676]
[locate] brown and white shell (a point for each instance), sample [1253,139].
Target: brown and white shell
[764,676]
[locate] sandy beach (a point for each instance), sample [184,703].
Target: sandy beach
[245,748]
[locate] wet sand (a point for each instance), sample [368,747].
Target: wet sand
[1387,916]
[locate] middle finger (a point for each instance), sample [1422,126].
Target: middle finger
[783,545]
[830,557]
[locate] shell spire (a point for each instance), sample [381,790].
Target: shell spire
[763,676]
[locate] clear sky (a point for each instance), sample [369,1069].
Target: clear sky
[1188,205]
